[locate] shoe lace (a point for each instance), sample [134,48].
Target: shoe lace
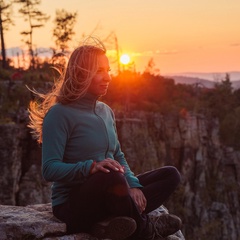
[156,226]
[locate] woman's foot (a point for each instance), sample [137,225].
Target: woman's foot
[116,228]
[163,226]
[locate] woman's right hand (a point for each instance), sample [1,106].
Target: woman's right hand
[105,166]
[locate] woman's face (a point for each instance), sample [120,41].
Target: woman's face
[100,81]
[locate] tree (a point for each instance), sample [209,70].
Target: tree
[230,128]
[63,30]
[150,68]
[221,100]
[5,21]
[35,18]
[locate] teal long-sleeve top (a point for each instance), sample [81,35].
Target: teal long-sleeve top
[75,135]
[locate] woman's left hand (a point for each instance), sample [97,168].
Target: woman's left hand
[139,198]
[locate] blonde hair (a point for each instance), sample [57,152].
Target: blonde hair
[72,84]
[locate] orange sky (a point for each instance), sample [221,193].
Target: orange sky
[180,35]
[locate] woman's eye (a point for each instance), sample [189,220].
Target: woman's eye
[103,70]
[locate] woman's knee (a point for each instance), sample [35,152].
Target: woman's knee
[174,174]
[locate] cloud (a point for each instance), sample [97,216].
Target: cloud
[148,53]
[143,54]
[235,45]
[14,51]
[166,52]
[151,53]
[19,51]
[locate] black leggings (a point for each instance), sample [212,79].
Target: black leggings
[107,194]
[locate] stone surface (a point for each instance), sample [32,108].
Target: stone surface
[11,164]
[37,222]
[22,222]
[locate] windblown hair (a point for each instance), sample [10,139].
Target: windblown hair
[72,84]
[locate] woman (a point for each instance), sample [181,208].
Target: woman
[93,188]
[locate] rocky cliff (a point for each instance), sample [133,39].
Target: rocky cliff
[207,199]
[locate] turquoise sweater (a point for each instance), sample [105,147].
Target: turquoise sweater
[75,135]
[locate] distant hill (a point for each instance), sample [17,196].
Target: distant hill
[203,82]
[236,84]
[212,76]
[193,80]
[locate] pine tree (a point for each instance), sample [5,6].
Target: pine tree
[35,18]
[63,29]
[5,22]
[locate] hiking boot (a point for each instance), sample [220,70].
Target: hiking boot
[116,228]
[164,225]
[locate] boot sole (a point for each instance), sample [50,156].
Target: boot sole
[118,228]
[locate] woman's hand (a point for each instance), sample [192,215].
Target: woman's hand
[105,165]
[139,198]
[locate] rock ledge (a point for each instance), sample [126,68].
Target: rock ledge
[37,222]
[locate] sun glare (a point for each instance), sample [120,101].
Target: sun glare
[125,59]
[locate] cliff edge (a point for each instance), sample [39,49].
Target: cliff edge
[37,222]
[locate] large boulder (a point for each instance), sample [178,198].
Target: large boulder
[37,222]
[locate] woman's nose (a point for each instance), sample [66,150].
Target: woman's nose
[107,77]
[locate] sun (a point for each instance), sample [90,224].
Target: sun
[125,59]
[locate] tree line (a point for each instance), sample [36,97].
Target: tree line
[130,91]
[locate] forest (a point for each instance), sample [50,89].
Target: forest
[129,90]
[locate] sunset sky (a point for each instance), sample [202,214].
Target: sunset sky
[180,35]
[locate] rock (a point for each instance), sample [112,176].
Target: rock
[37,222]
[33,222]
[41,190]
[22,222]
[11,164]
